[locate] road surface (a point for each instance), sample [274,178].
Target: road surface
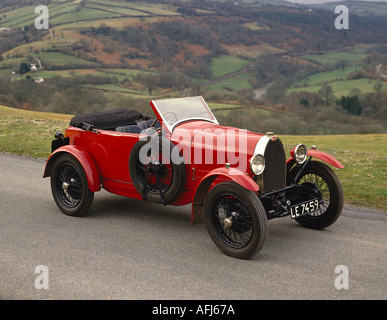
[128,249]
[378,68]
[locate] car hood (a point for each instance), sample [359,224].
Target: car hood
[207,135]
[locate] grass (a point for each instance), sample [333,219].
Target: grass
[65,13]
[60,59]
[337,78]
[19,17]
[333,57]
[142,8]
[26,15]
[84,14]
[365,160]
[29,132]
[343,88]
[239,82]
[32,115]
[363,156]
[216,106]
[328,76]
[223,65]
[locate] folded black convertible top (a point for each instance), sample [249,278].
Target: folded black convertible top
[107,119]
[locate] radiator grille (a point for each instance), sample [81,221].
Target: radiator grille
[274,175]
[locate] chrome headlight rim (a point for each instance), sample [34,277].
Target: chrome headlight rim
[257,164]
[300,153]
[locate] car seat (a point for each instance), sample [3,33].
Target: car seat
[137,128]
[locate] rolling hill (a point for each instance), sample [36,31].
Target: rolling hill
[101,54]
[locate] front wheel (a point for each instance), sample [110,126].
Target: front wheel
[318,176]
[69,186]
[235,219]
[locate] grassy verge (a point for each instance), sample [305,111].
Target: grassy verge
[364,156]
[365,160]
[29,132]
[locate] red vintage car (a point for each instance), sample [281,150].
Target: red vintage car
[235,179]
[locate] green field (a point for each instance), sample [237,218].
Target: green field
[223,65]
[342,88]
[239,82]
[364,156]
[60,59]
[65,13]
[328,76]
[338,78]
[334,57]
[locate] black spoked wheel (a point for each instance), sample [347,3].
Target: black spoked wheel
[155,174]
[155,177]
[235,220]
[320,179]
[69,186]
[232,221]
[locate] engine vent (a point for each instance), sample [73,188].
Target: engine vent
[274,175]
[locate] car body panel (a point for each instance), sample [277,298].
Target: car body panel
[85,160]
[212,178]
[234,178]
[319,155]
[212,153]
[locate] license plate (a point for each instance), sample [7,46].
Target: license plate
[304,208]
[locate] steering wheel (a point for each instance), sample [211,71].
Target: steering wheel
[172,117]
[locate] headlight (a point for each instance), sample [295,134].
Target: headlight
[257,164]
[300,154]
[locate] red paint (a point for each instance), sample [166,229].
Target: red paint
[85,160]
[104,156]
[319,155]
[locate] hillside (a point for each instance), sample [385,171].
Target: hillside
[101,54]
[365,8]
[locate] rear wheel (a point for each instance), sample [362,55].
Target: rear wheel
[235,219]
[69,186]
[321,178]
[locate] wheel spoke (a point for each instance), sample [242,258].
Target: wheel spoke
[323,189]
[70,195]
[239,234]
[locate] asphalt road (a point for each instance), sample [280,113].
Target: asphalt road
[128,249]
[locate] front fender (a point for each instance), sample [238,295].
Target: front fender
[205,183]
[84,159]
[319,155]
[233,174]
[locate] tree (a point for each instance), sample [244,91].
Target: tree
[149,80]
[326,93]
[305,102]
[351,104]
[24,67]
[378,86]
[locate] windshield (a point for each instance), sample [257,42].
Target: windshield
[175,111]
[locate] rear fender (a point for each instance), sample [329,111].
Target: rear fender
[205,184]
[316,154]
[84,159]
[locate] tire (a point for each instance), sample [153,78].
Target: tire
[248,230]
[70,187]
[172,175]
[321,177]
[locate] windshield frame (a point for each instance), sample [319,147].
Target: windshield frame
[171,127]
